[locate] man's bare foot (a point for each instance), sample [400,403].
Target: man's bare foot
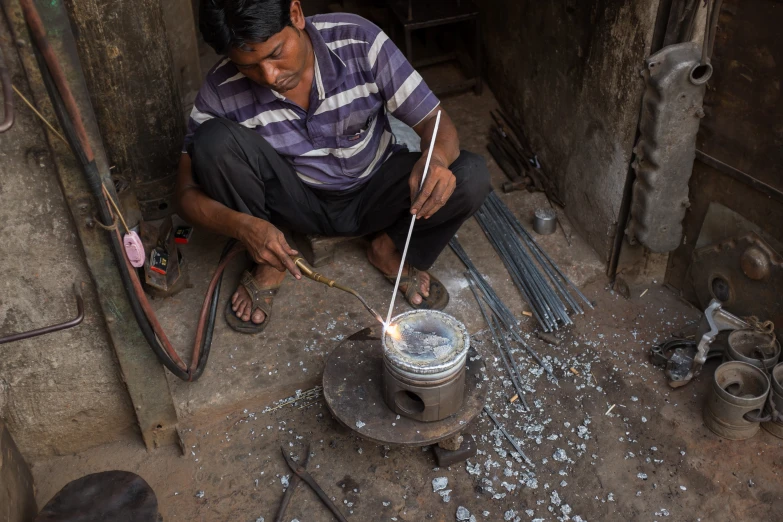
[266,276]
[384,256]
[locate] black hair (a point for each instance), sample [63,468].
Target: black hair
[228,24]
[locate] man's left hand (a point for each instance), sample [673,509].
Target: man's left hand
[437,189]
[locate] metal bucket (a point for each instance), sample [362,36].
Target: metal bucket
[738,388]
[776,428]
[424,370]
[760,349]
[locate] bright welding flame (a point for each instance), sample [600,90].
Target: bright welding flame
[393,331]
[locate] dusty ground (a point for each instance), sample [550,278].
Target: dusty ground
[233,445]
[651,432]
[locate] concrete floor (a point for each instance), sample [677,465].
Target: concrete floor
[650,458]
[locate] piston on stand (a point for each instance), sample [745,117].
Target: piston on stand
[424,359]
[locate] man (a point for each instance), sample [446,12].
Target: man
[290,129]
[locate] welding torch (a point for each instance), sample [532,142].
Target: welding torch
[320,278]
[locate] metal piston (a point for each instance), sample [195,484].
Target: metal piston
[421,383]
[738,389]
[760,349]
[776,427]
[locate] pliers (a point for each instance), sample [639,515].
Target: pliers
[300,473]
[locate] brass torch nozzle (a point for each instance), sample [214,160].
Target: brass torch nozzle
[319,278]
[312,274]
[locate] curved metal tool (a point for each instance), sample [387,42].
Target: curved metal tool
[292,485]
[315,276]
[77,290]
[300,471]
[715,320]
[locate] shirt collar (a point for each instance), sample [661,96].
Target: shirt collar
[329,68]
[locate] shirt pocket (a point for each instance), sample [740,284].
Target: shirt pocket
[355,151]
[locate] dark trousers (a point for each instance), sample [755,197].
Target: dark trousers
[238,168]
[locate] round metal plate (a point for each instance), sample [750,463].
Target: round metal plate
[353,392]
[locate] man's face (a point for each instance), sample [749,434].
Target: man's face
[280,62]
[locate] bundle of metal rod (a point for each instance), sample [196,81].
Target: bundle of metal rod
[504,316]
[510,148]
[505,353]
[544,292]
[546,262]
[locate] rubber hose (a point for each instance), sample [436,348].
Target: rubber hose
[94,182]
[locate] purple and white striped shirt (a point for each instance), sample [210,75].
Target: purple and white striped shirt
[360,76]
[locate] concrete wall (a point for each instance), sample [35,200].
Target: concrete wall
[571,68]
[59,393]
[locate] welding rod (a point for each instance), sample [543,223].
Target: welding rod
[514,380]
[413,221]
[523,256]
[508,436]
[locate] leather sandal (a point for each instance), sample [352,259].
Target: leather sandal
[438,298]
[262,299]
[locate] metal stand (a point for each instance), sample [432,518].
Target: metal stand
[353,390]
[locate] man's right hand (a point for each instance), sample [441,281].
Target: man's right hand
[267,245]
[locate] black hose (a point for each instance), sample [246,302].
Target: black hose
[210,326]
[93,178]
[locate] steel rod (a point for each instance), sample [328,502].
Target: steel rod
[514,378]
[77,291]
[508,436]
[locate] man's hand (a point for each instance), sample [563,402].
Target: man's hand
[267,245]
[437,189]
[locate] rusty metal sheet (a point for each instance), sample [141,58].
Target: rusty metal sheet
[740,142]
[743,126]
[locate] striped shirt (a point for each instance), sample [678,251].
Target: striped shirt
[341,141]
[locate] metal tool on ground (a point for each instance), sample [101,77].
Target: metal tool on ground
[544,292]
[498,307]
[413,221]
[77,292]
[715,320]
[8,96]
[331,283]
[293,483]
[511,439]
[300,471]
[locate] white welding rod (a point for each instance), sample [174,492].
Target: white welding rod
[413,220]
